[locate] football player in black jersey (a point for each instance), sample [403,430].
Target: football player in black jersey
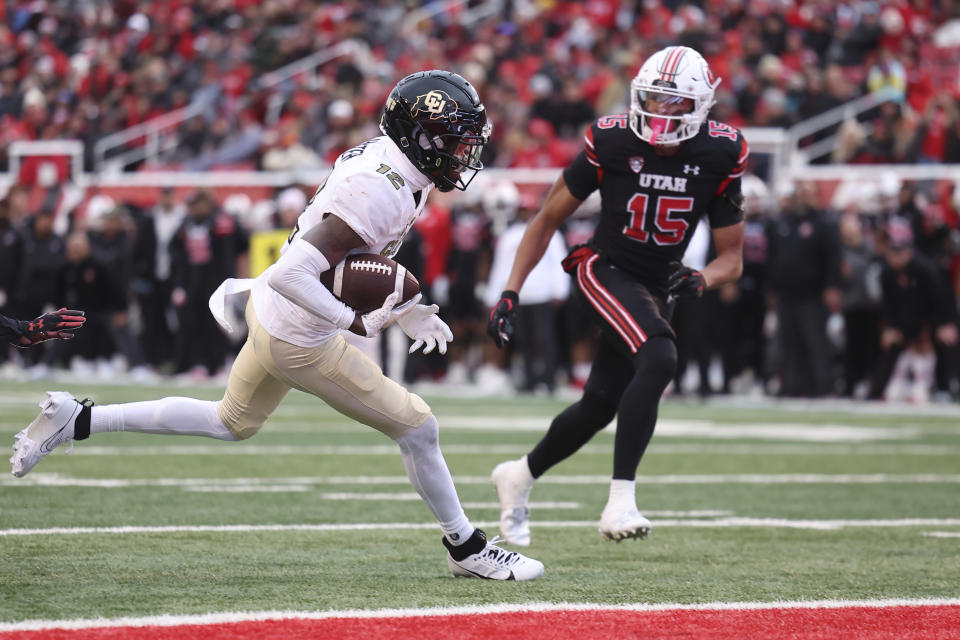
[659,169]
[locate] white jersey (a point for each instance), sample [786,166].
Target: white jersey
[372,189]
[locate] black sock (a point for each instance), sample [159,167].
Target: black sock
[475,544]
[81,428]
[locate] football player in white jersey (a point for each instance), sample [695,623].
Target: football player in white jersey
[435,127]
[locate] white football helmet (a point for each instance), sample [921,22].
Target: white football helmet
[757,200]
[670,76]
[501,201]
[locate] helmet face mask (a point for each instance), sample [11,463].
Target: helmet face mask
[677,84]
[438,121]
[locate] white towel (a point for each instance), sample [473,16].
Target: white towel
[218,301]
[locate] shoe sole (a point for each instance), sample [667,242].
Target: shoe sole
[461,572]
[638,534]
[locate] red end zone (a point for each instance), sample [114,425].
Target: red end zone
[907,622]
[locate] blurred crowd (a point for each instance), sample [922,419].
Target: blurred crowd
[852,295]
[83,69]
[850,292]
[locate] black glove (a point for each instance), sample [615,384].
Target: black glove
[684,282]
[503,318]
[51,325]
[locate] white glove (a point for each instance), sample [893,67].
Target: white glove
[403,309]
[374,321]
[424,326]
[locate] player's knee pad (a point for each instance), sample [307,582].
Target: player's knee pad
[657,360]
[240,421]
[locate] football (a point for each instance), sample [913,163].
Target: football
[364,280]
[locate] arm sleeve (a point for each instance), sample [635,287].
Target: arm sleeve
[296,276]
[10,329]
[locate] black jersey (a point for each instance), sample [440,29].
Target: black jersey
[651,204]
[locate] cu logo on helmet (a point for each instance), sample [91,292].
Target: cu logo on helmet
[437,103]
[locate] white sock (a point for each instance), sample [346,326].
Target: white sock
[171,416]
[524,471]
[924,365]
[622,495]
[430,476]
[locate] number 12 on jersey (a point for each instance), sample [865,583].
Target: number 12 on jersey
[669,230]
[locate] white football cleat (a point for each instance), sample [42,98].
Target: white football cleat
[617,525]
[492,562]
[53,427]
[513,482]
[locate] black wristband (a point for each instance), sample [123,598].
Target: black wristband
[512,296]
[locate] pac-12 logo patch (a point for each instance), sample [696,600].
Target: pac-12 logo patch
[437,103]
[636,164]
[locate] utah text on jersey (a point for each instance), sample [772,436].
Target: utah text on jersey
[651,202]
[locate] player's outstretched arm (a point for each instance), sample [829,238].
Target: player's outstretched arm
[60,324]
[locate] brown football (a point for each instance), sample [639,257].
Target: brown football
[364,280]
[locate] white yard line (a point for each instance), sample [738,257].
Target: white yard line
[942,534]
[307,421]
[302,450]
[300,403]
[57,480]
[263,488]
[168,620]
[414,497]
[245,449]
[732,522]
[666,428]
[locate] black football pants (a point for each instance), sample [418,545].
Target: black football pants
[626,380]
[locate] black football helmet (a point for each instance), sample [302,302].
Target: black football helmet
[438,121]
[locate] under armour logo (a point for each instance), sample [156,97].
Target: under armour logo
[694,169]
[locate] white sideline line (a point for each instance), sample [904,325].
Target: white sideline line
[392,450]
[168,620]
[263,488]
[294,450]
[414,497]
[767,523]
[942,534]
[57,480]
[300,403]
[666,428]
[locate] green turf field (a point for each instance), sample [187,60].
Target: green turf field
[756,503]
